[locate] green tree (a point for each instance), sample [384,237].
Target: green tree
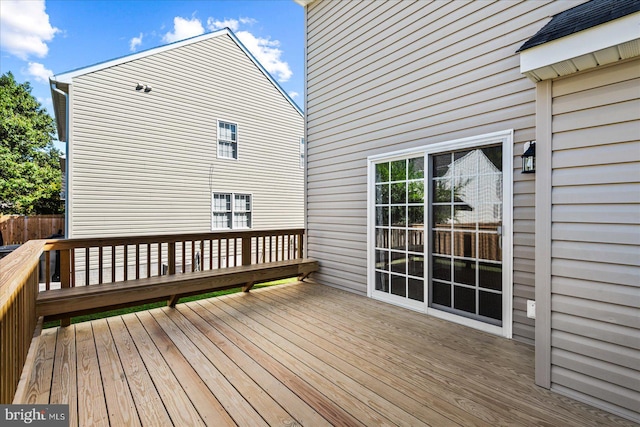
[30,176]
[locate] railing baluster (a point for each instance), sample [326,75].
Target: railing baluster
[100,265]
[183,256]
[148,259]
[137,261]
[193,256]
[125,254]
[159,259]
[47,267]
[113,263]
[72,264]
[171,254]
[87,253]
[210,254]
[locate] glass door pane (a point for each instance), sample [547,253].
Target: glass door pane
[399,233]
[466,224]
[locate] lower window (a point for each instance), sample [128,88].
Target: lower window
[230,211]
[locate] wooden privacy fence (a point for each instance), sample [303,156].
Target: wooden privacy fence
[19,229]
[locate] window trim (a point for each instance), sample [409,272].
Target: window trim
[506,139]
[233,195]
[237,142]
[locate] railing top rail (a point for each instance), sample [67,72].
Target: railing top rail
[15,268]
[61,244]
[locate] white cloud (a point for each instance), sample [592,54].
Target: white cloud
[183,29]
[293,94]
[25,28]
[135,42]
[214,24]
[247,21]
[267,53]
[38,72]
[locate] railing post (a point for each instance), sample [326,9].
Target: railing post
[171,254]
[65,277]
[246,250]
[65,268]
[300,245]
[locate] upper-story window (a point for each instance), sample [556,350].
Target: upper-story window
[227,140]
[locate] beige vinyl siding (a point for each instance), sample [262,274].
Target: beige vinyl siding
[146,163]
[595,231]
[385,76]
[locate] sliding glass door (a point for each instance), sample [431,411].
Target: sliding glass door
[437,230]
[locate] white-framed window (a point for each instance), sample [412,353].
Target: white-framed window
[301,153]
[230,211]
[227,140]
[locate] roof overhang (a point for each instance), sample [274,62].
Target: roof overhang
[600,45]
[304,3]
[59,101]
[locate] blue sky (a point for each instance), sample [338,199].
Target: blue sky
[39,38]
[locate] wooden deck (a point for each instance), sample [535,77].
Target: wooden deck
[300,354]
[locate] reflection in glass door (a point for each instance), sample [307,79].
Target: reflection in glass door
[466,227]
[399,228]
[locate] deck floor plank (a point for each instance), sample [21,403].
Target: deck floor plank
[295,354]
[224,380]
[38,387]
[169,379]
[327,353]
[317,399]
[148,403]
[296,406]
[449,367]
[120,403]
[386,354]
[92,406]
[522,399]
[357,398]
[391,374]
[64,382]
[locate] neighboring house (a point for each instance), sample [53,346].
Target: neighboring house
[190,137]
[398,93]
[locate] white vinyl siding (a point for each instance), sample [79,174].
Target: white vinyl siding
[595,236]
[388,76]
[146,163]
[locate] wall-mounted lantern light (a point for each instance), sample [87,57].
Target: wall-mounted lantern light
[529,158]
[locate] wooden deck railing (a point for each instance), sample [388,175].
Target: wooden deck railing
[18,290]
[104,260]
[113,259]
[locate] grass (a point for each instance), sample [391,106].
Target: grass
[121,311]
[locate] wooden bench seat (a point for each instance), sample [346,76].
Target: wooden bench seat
[68,302]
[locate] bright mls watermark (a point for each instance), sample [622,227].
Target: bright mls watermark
[34,415]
